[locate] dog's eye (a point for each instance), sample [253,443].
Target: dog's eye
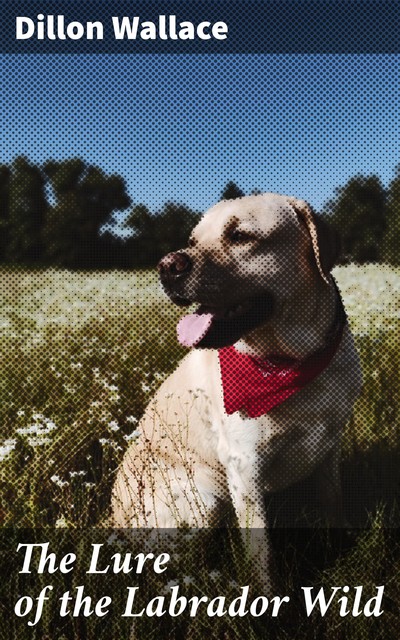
[239,237]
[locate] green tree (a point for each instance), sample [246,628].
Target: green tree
[358,213]
[27,208]
[391,240]
[85,199]
[174,224]
[142,245]
[4,208]
[154,235]
[231,192]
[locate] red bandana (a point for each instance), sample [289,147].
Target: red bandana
[257,386]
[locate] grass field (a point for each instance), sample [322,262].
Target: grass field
[81,354]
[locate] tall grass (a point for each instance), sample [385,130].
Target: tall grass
[81,354]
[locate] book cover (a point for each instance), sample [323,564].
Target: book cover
[199,210]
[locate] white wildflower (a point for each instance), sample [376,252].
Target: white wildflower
[169,585]
[110,387]
[38,441]
[30,429]
[61,523]
[6,448]
[215,575]
[69,389]
[37,429]
[133,436]
[59,482]
[77,474]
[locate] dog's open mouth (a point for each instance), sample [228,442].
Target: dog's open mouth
[212,327]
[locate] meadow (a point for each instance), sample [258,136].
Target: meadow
[82,352]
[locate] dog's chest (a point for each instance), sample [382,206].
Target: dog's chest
[237,441]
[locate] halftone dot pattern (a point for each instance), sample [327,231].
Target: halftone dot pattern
[294,123]
[89,340]
[252,26]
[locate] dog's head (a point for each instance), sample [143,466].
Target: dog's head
[245,258]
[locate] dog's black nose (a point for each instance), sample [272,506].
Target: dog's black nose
[174,265]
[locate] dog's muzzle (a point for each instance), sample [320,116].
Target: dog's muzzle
[173,269]
[210,326]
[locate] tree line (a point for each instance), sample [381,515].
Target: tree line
[64,214]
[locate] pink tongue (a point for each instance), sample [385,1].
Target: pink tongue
[193,327]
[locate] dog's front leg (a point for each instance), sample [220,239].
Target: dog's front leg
[329,489]
[247,499]
[248,503]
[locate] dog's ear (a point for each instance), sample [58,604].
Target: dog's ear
[324,239]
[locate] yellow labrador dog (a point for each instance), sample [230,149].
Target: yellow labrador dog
[270,379]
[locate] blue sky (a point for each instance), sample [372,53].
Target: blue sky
[178,127]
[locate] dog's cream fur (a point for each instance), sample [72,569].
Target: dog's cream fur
[190,454]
